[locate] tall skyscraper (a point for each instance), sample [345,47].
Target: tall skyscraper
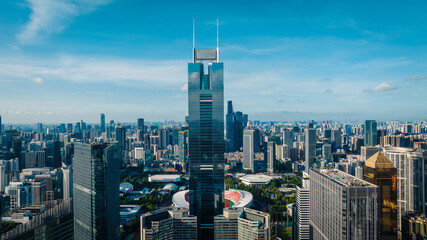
[342,206]
[206,138]
[411,179]
[182,146]
[288,137]
[40,127]
[248,149]
[96,191]
[164,138]
[229,127]
[102,122]
[370,134]
[379,170]
[140,123]
[121,139]
[1,126]
[336,139]
[310,148]
[327,151]
[240,123]
[53,154]
[301,211]
[270,156]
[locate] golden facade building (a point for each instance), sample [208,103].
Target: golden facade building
[379,170]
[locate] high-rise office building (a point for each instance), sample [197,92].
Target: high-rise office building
[164,138]
[414,226]
[248,149]
[310,148]
[327,151]
[380,171]
[21,193]
[206,138]
[182,146]
[121,139]
[411,179]
[168,223]
[39,191]
[270,157]
[342,206]
[370,134]
[366,152]
[240,123]
[53,154]
[336,139]
[288,137]
[102,128]
[96,191]
[67,181]
[242,223]
[1,126]
[229,117]
[40,127]
[301,211]
[140,123]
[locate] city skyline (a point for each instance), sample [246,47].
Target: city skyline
[324,62]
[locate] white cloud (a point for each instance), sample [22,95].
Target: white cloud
[184,88]
[119,71]
[52,16]
[416,78]
[38,80]
[384,87]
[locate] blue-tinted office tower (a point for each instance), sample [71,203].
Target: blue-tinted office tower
[96,191]
[229,118]
[121,139]
[182,146]
[140,122]
[370,133]
[206,138]
[310,147]
[1,126]
[102,122]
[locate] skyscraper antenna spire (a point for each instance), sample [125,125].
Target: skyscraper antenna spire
[194,40]
[217,40]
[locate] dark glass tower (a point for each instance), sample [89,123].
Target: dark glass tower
[140,122]
[102,122]
[206,139]
[230,127]
[96,191]
[370,133]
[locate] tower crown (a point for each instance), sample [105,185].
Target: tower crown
[210,54]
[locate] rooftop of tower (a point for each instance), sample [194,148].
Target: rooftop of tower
[344,179]
[378,160]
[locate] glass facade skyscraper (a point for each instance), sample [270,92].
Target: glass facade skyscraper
[96,191]
[102,123]
[182,146]
[379,170]
[206,139]
[248,149]
[370,133]
[310,148]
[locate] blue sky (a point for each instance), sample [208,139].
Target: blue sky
[62,61]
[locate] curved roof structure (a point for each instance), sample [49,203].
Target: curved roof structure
[170,187]
[233,198]
[126,187]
